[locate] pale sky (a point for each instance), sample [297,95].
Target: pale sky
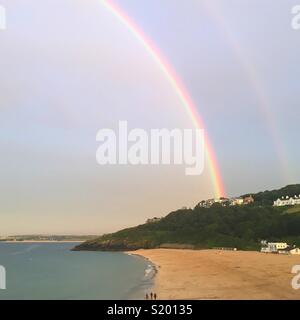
[69,68]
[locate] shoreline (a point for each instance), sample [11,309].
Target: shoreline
[147,284]
[221,275]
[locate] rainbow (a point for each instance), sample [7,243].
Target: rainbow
[258,88]
[176,84]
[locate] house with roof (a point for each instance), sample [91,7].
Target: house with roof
[287,201]
[279,247]
[274,247]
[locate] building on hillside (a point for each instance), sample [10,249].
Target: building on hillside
[208,203]
[287,201]
[289,251]
[155,219]
[202,204]
[236,201]
[248,200]
[274,247]
[279,247]
[226,202]
[223,201]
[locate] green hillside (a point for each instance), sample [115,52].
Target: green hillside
[267,197]
[242,227]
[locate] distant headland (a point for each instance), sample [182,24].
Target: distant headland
[241,222]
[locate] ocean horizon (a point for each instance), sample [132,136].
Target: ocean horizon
[42,271]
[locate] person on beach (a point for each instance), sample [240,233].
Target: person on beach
[147,296]
[155,296]
[151,296]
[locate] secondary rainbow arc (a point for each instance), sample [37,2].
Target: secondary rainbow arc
[178,86]
[258,87]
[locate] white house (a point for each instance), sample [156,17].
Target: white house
[274,247]
[287,201]
[208,203]
[226,201]
[278,247]
[236,201]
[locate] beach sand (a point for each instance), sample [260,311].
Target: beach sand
[213,274]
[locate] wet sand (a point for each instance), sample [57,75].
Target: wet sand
[214,274]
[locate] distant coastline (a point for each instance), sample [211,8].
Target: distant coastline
[47,238]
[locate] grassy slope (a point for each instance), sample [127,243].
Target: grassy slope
[241,226]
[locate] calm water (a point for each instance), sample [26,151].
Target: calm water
[52,271]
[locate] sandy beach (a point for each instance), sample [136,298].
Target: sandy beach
[213,274]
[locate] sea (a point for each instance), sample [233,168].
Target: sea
[40,271]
